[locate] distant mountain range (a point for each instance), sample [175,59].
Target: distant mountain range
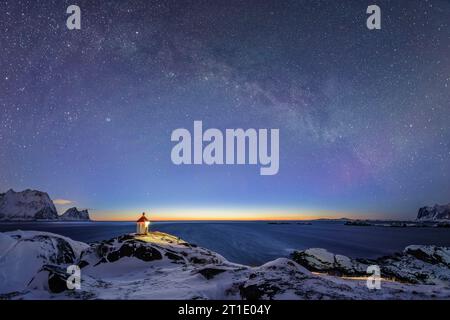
[33,205]
[438,212]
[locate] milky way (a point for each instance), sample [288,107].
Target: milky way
[364,116]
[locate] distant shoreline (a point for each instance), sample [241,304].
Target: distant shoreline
[274,221]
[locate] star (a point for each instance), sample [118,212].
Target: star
[361,114]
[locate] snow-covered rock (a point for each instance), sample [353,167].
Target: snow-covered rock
[33,265]
[26,205]
[416,264]
[75,214]
[438,212]
[420,264]
[321,260]
[24,253]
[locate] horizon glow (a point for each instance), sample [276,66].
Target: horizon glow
[220,214]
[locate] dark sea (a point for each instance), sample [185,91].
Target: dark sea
[254,243]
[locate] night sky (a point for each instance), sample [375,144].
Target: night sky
[86,115]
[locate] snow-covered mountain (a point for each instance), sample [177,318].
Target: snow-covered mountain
[33,265]
[26,205]
[438,212]
[75,214]
[32,205]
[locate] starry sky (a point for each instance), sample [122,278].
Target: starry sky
[86,115]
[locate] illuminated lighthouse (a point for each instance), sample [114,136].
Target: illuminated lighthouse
[142,225]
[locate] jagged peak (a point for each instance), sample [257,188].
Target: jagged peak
[28,204]
[75,214]
[436,212]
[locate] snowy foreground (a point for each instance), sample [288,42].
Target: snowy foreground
[160,266]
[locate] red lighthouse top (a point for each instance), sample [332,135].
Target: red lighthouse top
[143,218]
